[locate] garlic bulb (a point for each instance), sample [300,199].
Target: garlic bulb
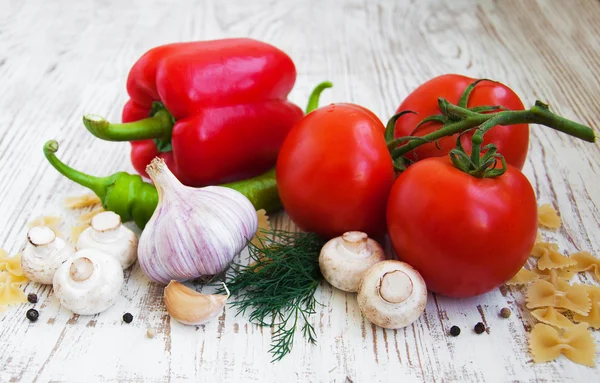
[89,282]
[392,294]
[107,234]
[189,306]
[344,260]
[194,231]
[43,254]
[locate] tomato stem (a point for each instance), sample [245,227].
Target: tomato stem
[461,119]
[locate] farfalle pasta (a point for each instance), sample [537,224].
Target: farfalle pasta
[544,294]
[554,276]
[593,317]
[548,217]
[86,200]
[576,343]
[523,277]
[586,262]
[10,293]
[553,317]
[10,264]
[549,257]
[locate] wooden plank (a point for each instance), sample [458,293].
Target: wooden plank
[62,59]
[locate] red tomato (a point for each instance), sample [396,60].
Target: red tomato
[512,141]
[465,235]
[334,172]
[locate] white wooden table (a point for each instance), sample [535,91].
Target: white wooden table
[61,59]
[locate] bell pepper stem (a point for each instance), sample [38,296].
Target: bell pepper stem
[538,114]
[158,126]
[96,184]
[313,100]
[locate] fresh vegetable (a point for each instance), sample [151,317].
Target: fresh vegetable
[465,235]
[278,286]
[89,282]
[215,111]
[334,172]
[107,234]
[190,307]
[133,199]
[392,294]
[43,254]
[193,232]
[344,260]
[511,141]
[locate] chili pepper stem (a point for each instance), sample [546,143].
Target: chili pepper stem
[158,126]
[96,184]
[538,114]
[313,99]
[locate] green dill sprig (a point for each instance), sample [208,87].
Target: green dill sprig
[277,288]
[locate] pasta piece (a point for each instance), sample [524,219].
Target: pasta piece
[86,200]
[544,294]
[523,277]
[538,237]
[555,276]
[586,262]
[77,230]
[549,257]
[10,293]
[10,264]
[553,317]
[593,317]
[548,217]
[263,225]
[576,343]
[87,217]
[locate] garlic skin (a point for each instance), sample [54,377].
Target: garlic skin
[43,254]
[189,306]
[107,234]
[193,232]
[392,294]
[89,282]
[344,260]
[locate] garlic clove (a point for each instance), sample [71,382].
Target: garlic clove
[392,294]
[193,232]
[344,260]
[107,234]
[189,306]
[89,282]
[43,254]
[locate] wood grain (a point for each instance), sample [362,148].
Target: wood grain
[61,59]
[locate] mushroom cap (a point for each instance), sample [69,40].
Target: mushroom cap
[392,294]
[111,237]
[43,254]
[89,282]
[344,260]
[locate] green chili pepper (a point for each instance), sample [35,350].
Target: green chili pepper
[133,199]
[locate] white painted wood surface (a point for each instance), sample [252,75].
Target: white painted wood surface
[61,59]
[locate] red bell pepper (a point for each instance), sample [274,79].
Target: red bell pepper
[215,111]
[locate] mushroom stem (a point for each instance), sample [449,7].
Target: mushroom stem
[395,286]
[81,269]
[41,236]
[355,241]
[106,226]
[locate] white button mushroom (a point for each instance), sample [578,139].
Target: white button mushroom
[344,260]
[107,234]
[43,254]
[392,294]
[89,282]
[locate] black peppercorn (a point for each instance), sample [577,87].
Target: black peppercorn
[127,318]
[455,331]
[32,315]
[479,328]
[32,298]
[505,312]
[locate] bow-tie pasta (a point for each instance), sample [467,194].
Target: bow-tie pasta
[523,277]
[586,262]
[593,317]
[553,317]
[544,294]
[10,293]
[549,257]
[576,343]
[548,217]
[86,200]
[10,264]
